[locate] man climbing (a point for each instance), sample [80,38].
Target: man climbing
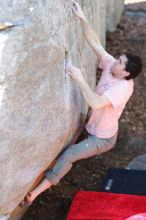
[107,103]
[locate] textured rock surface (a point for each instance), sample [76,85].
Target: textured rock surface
[40,107]
[114,11]
[138,163]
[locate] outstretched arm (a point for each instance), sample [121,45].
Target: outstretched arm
[90,35]
[93,100]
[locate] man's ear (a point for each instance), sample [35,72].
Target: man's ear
[127,73]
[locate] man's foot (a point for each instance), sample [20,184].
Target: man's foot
[27,201]
[29,198]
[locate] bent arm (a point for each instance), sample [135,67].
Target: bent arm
[94,101]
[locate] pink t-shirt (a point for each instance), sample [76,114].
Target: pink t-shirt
[104,122]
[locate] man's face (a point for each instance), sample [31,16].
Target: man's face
[118,68]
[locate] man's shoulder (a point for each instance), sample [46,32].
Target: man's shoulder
[127,86]
[108,57]
[128,83]
[106,61]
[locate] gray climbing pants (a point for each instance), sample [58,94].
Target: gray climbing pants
[86,148]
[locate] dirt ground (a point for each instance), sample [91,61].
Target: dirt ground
[89,174]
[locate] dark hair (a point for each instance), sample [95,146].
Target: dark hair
[133,66]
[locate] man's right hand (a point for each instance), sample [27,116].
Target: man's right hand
[77,10]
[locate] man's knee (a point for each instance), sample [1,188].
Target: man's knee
[104,148]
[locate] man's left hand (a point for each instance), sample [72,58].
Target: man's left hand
[74,72]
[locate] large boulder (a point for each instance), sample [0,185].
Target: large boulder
[41,109]
[114,11]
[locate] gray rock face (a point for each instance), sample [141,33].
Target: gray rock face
[138,163]
[41,109]
[114,11]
